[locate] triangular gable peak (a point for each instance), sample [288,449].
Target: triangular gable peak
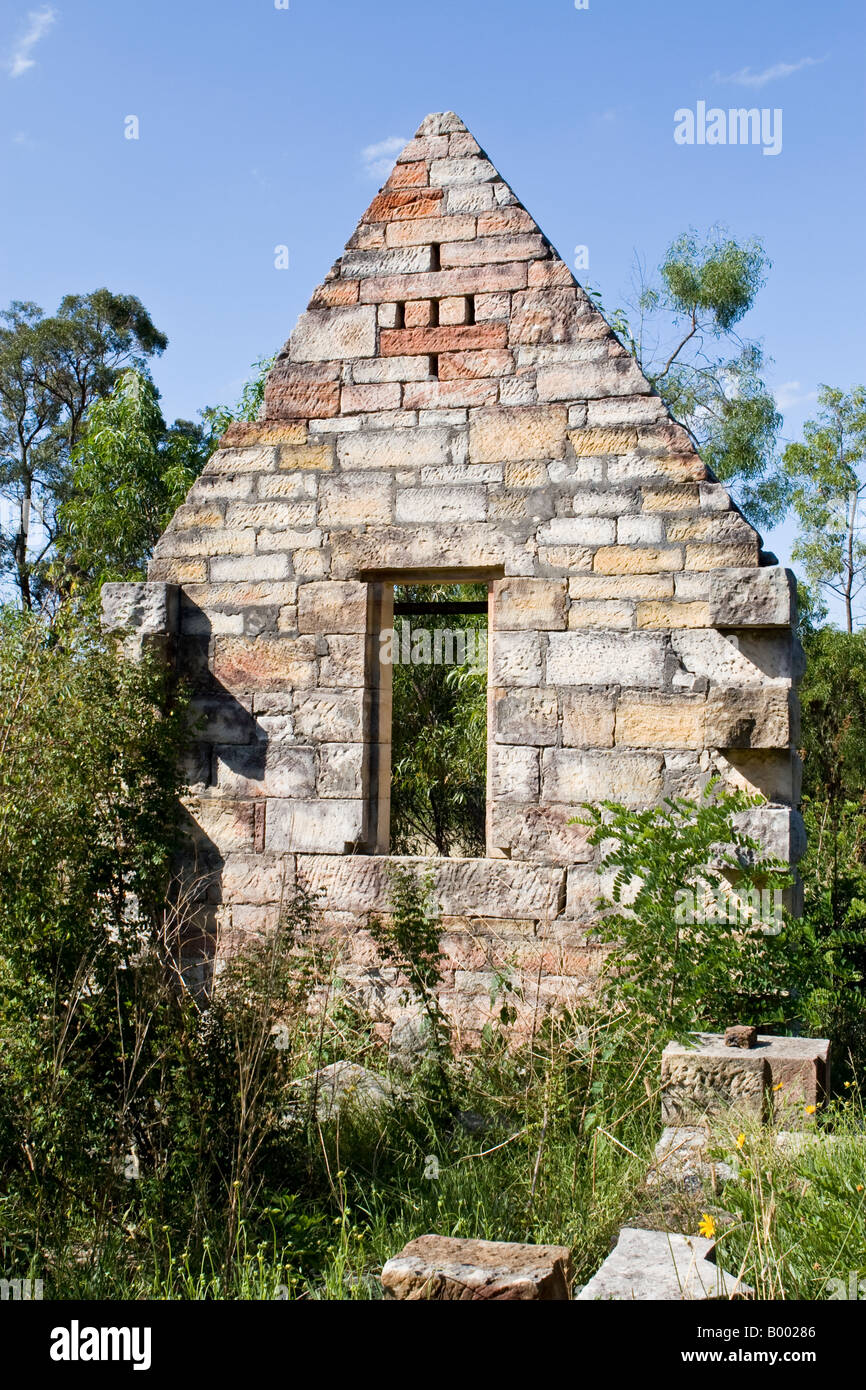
[453,405]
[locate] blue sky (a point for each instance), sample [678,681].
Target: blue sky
[254,120]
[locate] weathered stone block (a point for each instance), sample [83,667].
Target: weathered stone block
[441,504]
[781,1078]
[401,448]
[637,559]
[709,1080]
[529,604]
[749,717]
[325,827]
[599,658]
[661,1265]
[571,776]
[265,769]
[515,659]
[765,597]
[443,1268]
[514,772]
[340,770]
[332,607]
[660,722]
[144,614]
[517,433]
[242,663]
[527,717]
[330,335]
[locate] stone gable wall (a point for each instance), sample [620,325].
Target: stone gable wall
[452,405]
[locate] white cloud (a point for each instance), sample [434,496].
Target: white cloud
[38,24]
[746,78]
[791,393]
[378,159]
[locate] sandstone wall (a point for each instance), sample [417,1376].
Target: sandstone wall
[453,406]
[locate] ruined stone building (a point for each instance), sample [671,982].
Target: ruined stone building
[452,406]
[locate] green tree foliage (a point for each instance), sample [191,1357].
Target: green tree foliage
[681,326]
[827,473]
[680,970]
[88,784]
[51,371]
[439,733]
[129,474]
[833,746]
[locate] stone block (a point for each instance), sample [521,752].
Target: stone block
[441,504]
[750,717]
[779,830]
[662,1265]
[493,250]
[443,1268]
[660,722]
[637,559]
[515,659]
[242,663]
[541,833]
[708,1079]
[395,449]
[572,776]
[601,658]
[326,717]
[514,772]
[384,395]
[578,530]
[587,720]
[601,613]
[340,770]
[591,442]
[332,607]
[331,335]
[144,615]
[764,597]
[668,615]
[265,770]
[322,827]
[355,499]
[527,717]
[529,604]
[517,434]
[344,662]
[780,1078]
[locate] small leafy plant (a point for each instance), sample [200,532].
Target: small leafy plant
[718,963]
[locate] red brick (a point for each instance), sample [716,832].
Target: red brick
[448,395]
[443,284]
[409,342]
[408,175]
[404,202]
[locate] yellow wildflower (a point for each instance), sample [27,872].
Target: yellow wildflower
[741,1139]
[707,1226]
[778,1086]
[810,1109]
